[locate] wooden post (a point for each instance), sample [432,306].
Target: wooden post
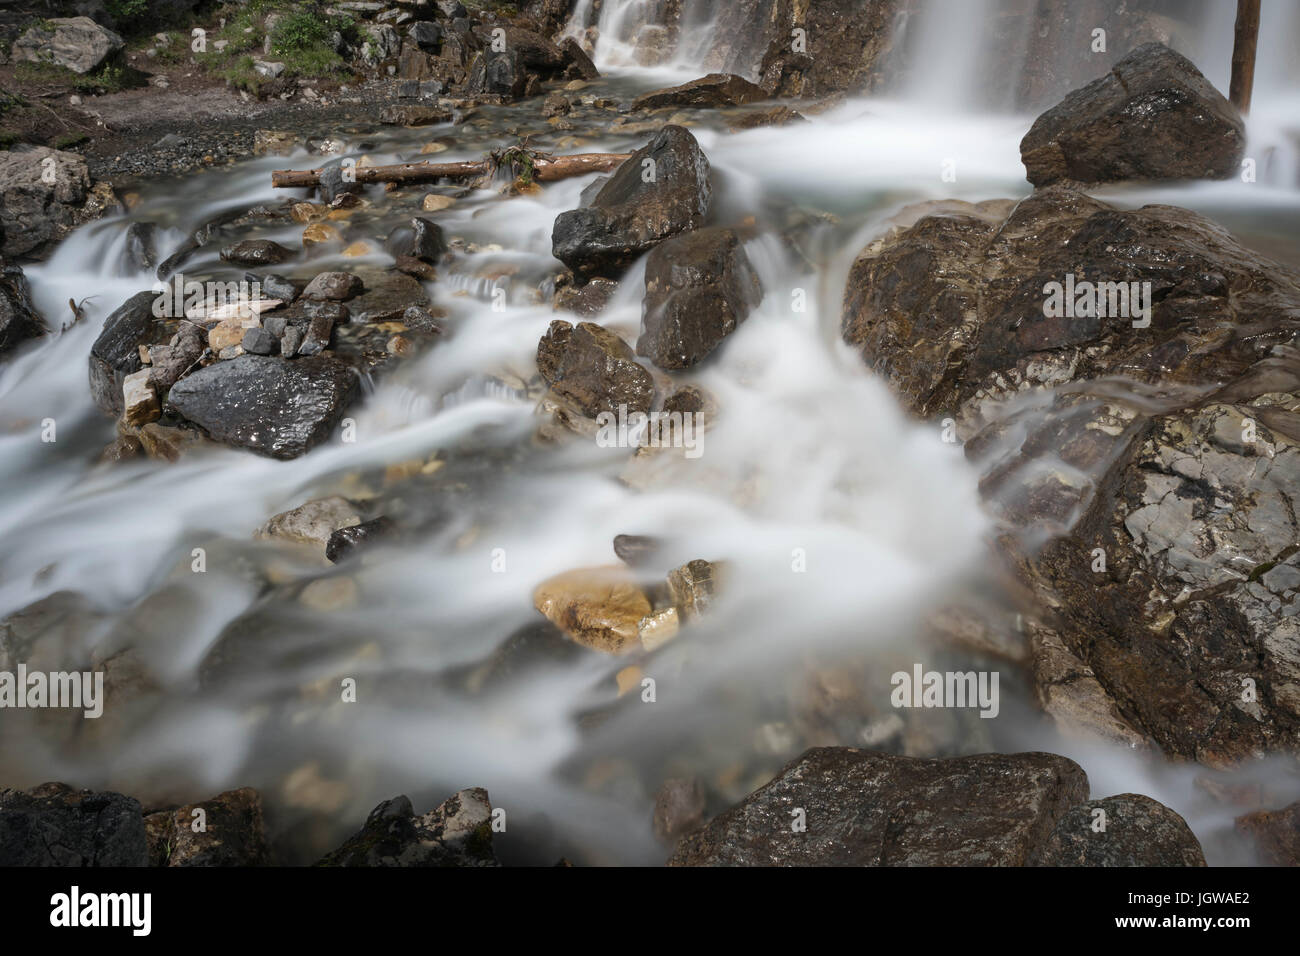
[1244,40]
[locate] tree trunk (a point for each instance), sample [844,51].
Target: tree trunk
[1245,36]
[544,170]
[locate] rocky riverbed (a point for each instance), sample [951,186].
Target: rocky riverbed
[783,481]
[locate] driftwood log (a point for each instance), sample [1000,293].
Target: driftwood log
[543,169]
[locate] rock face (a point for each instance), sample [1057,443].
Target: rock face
[953,306]
[116,353]
[18,319]
[698,288]
[233,833]
[271,406]
[75,43]
[1168,500]
[1138,832]
[593,368]
[710,92]
[456,833]
[54,825]
[630,214]
[599,608]
[873,809]
[1152,117]
[840,47]
[41,194]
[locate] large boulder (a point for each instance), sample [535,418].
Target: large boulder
[954,304]
[660,191]
[18,318]
[713,91]
[1127,830]
[75,43]
[115,354]
[839,806]
[272,406]
[54,825]
[458,832]
[42,192]
[593,368]
[698,287]
[1152,117]
[226,830]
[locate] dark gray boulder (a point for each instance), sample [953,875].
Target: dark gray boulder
[698,287]
[1127,830]
[271,406]
[54,825]
[458,832]
[593,368]
[1152,117]
[660,191]
[116,353]
[863,808]
[18,319]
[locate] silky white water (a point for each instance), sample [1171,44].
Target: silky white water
[811,461]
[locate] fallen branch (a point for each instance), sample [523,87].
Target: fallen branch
[543,169]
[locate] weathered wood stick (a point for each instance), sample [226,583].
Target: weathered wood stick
[1245,38]
[544,170]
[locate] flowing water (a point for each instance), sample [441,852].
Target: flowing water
[810,460]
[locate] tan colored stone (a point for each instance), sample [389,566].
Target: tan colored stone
[599,608]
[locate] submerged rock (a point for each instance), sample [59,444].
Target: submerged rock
[1152,117]
[256,252]
[312,523]
[593,368]
[54,825]
[272,406]
[599,608]
[661,190]
[873,809]
[1127,830]
[456,833]
[698,288]
[1276,834]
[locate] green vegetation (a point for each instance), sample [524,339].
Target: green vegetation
[109,78]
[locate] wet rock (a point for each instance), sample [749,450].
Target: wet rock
[1152,117]
[692,587]
[1069,692]
[332,185]
[556,104]
[497,73]
[121,448]
[415,268]
[578,64]
[770,116]
[167,442]
[19,321]
[630,215]
[586,300]
[456,833]
[347,541]
[278,287]
[291,341]
[1138,832]
[274,407]
[115,354]
[1276,834]
[139,400]
[599,608]
[422,239]
[75,43]
[954,305]
[233,832]
[312,523]
[711,92]
[339,286]
[636,550]
[256,252]
[414,115]
[42,191]
[594,368]
[258,341]
[54,825]
[316,337]
[873,809]
[698,288]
